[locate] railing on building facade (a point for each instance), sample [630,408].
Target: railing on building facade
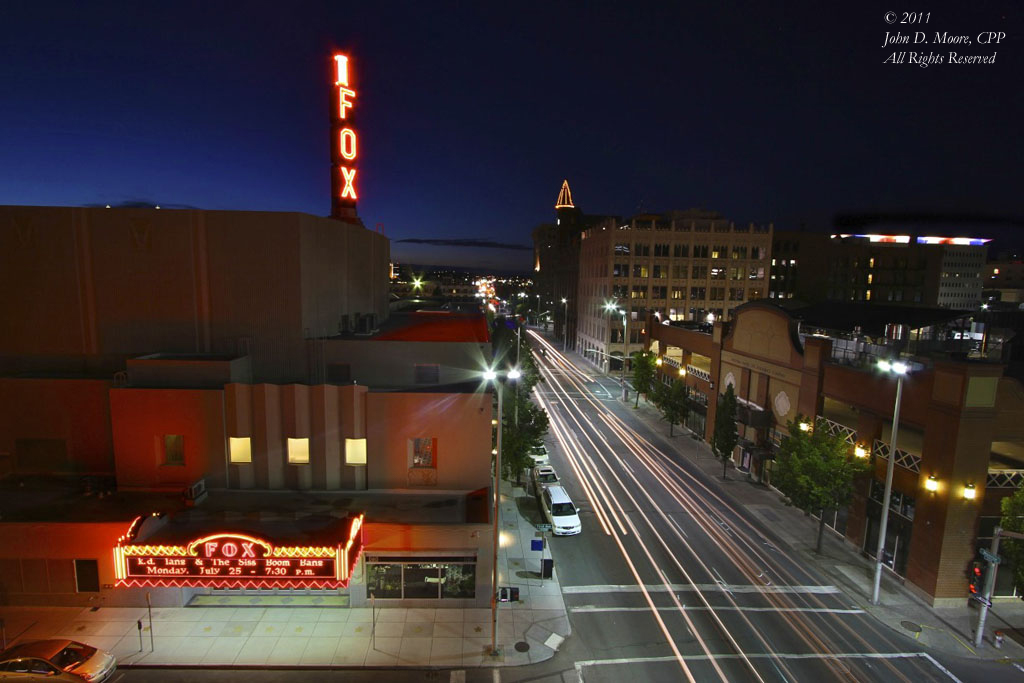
[834,428]
[697,372]
[1004,479]
[880,449]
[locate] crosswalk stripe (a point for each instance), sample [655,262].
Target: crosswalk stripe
[679,587]
[773,655]
[672,608]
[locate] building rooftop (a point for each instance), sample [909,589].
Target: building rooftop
[430,326]
[869,318]
[290,513]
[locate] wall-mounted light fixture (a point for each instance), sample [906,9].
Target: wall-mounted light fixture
[970,492]
[931,483]
[682,372]
[658,361]
[805,426]
[860,451]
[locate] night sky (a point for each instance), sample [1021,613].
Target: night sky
[470,115]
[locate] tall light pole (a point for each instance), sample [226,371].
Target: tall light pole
[611,307]
[538,310]
[565,323]
[494,376]
[519,346]
[899,368]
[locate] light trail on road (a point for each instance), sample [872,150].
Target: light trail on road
[609,439]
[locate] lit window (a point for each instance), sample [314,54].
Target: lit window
[423,452]
[298,451]
[355,451]
[174,449]
[240,449]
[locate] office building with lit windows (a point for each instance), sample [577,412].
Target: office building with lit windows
[907,270]
[689,266]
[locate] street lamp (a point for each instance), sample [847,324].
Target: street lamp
[900,369]
[565,323]
[611,307]
[492,375]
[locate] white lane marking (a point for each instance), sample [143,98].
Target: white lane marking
[496,675]
[727,608]
[458,676]
[721,582]
[732,588]
[940,667]
[680,527]
[772,655]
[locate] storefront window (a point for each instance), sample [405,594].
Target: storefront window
[459,581]
[416,579]
[422,580]
[384,580]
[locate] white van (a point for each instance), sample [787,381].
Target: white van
[560,512]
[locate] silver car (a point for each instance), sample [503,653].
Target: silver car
[56,660]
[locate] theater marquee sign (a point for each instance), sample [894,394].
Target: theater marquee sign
[232,560]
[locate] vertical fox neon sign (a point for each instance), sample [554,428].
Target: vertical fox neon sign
[344,142]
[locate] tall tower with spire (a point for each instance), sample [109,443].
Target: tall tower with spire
[556,248]
[564,200]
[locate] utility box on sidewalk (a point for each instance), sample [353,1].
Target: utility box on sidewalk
[547,568]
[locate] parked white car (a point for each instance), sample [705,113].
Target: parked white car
[560,512]
[540,456]
[542,477]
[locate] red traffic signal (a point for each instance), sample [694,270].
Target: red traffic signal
[974,577]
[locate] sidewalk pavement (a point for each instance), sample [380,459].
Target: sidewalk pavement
[945,629]
[320,637]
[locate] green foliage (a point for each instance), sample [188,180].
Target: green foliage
[725,436]
[816,470]
[1010,548]
[673,400]
[533,420]
[516,441]
[643,373]
[503,343]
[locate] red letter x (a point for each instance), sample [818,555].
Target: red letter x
[350,178]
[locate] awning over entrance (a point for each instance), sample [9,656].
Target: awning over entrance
[313,552]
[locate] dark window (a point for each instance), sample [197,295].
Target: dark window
[339,373]
[87,576]
[681,250]
[428,373]
[174,449]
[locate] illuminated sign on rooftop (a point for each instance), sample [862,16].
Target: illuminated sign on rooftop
[344,141]
[905,239]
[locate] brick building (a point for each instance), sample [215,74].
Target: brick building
[960,424]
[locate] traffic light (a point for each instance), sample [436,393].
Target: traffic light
[974,577]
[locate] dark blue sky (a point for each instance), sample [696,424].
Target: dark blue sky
[471,114]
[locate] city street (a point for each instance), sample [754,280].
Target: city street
[670,580]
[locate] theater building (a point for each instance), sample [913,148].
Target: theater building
[960,422]
[216,405]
